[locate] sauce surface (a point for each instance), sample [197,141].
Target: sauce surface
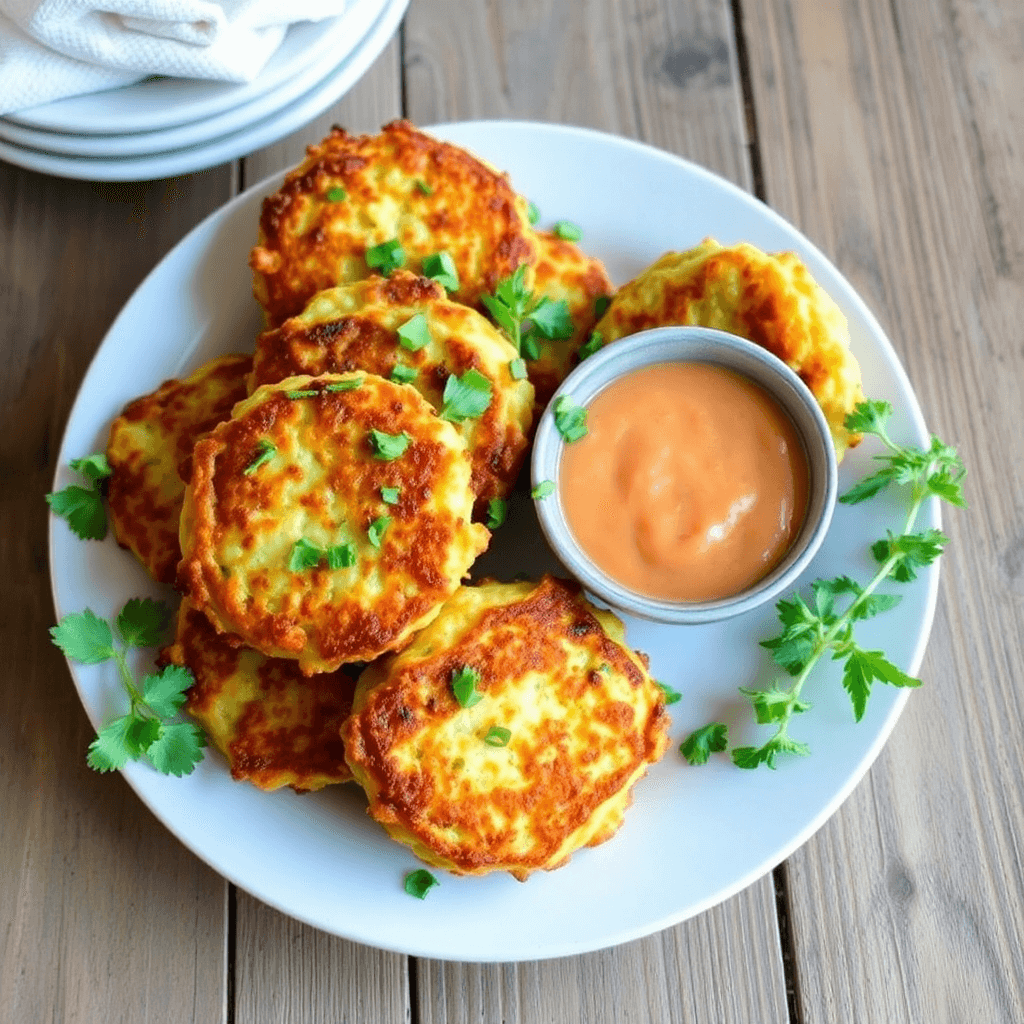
[690,485]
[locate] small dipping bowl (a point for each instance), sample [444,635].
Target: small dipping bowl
[689,345]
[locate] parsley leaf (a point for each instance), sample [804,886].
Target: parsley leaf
[532,213]
[565,229]
[341,556]
[82,507]
[142,622]
[304,555]
[84,637]
[824,623]
[337,195]
[517,368]
[705,741]
[111,750]
[388,447]
[165,691]
[464,682]
[376,530]
[570,419]
[403,374]
[386,257]
[466,397]
[419,883]
[390,495]
[414,333]
[440,267]
[544,489]
[671,696]
[552,319]
[601,304]
[591,345]
[497,510]
[177,749]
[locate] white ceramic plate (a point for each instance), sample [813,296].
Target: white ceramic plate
[227,147]
[157,103]
[693,836]
[358,20]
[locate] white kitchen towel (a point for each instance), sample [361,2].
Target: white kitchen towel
[50,49]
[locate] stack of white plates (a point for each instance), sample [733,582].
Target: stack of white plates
[166,126]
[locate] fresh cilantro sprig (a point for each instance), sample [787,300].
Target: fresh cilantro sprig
[82,507]
[148,729]
[823,623]
[518,313]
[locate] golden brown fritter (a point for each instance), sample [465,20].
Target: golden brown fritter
[355,327]
[564,271]
[770,299]
[566,720]
[352,193]
[276,727]
[328,519]
[150,455]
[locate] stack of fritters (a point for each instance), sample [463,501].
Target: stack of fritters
[320,504]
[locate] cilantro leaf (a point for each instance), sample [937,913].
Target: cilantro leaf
[83,509]
[601,304]
[466,397]
[565,229]
[341,556]
[551,319]
[532,213]
[497,510]
[517,368]
[388,447]
[386,257]
[869,417]
[164,692]
[593,344]
[419,883]
[376,530]
[671,696]
[773,704]
[570,419]
[543,490]
[143,621]
[110,750]
[304,555]
[95,467]
[404,374]
[463,683]
[440,267]
[84,637]
[414,333]
[177,749]
[705,741]
[337,194]
[390,495]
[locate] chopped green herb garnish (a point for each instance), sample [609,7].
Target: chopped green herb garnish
[414,333]
[386,257]
[531,349]
[592,344]
[570,419]
[341,556]
[498,736]
[552,319]
[424,187]
[705,741]
[305,393]
[497,509]
[345,385]
[304,555]
[265,451]
[532,213]
[819,625]
[418,883]
[440,267]
[388,446]
[466,397]
[671,696]
[543,489]
[517,367]
[174,748]
[464,682]
[601,304]
[82,507]
[390,495]
[337,194]
[565,229]
[404,374]
[376,530]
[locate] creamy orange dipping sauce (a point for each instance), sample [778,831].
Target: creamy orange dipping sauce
[690,485]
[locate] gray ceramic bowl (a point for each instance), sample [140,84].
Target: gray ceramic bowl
[689,344]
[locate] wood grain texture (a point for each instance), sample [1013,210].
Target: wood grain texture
[892,137]
[664,73]
[647,69]
[103,915]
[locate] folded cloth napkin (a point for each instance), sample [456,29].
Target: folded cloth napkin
[50,49]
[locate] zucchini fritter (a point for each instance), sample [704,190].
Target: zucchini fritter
[276,727]
[354,192]
[770,299]
[355,327]
[566,720]
[564,271]
[150,455]
[328,519]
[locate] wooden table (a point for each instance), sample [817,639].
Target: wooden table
[892,133]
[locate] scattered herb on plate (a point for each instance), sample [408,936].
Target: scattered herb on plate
[82,507]
[824,623]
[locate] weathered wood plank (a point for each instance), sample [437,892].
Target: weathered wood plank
[103,915]
[285,971]
[890,134]
[666,74]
